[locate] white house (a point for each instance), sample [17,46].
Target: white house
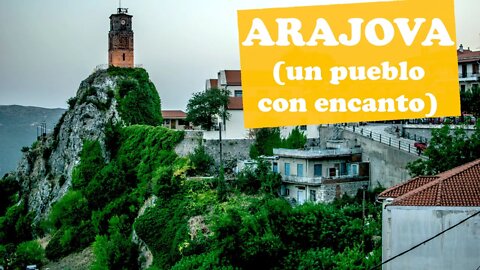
[468,68]
[175,119]
[320,175]
[436,219]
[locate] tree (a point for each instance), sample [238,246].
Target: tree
[447,149]
[265,140]
[204,106]
[295,140]
[470,100]
[268,138]
[201,161]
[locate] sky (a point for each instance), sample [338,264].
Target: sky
[48,47]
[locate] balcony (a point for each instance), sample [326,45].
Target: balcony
[316,153]
[469,77]
[313,181]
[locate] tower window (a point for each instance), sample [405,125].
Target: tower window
[123,57]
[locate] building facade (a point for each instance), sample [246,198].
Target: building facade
[320,175]
[175,119]
[436,218]
[468,68]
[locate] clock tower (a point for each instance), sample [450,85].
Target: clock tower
[120,39]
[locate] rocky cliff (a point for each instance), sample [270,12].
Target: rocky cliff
[45,170]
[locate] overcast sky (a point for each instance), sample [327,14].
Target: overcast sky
[48,47]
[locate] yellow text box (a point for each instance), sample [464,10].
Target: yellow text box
[348,63]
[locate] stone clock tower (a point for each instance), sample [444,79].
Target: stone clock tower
[120,39]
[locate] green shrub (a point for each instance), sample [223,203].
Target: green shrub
[138,100]
[202,162]
[29,253]
[70,210]
[117,250]
[91,162]
[9,188]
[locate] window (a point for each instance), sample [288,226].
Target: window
[300,170]
[343,169]
[287,191]
[123,57]
[313,195]
[354,169]
[275,167]
[238,93]
[332,172]
[287,169]
[462,88]
[303,127]
[317,170]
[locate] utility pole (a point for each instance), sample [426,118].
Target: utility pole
[220,140]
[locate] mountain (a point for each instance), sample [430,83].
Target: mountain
[18,128]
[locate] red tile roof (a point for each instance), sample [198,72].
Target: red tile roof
[233,77]
[173,114]
[213,83]
[468,56]
[408,186]
[459,186]
[235,103]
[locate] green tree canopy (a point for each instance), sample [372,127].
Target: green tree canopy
[268,138]
[470,100]
[205,105]
[447,149]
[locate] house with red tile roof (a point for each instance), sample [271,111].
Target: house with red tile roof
[233,128]
[175,119]
[440,212]
[468,68]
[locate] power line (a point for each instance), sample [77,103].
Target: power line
[428,240]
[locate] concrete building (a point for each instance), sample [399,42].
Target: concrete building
[175,119]
[468,68]
[440,214]
[320,175]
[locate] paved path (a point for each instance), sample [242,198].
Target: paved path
[377,133]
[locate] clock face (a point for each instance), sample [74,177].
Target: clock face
[122,22]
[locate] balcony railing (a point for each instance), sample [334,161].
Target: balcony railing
[317,180]
[316,153]
[469,76]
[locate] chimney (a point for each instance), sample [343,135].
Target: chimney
[461,48]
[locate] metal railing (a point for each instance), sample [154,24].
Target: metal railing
[468,75]
[313,153]
[321,179]
[391,141]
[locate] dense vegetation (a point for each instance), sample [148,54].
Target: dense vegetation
[138,100]
[268,138]
[194,223]
[447,149]
[195,230]
[470,101]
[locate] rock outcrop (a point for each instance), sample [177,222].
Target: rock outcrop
[45,171]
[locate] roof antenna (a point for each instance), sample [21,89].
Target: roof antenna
[120,9]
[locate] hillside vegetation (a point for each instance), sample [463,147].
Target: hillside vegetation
[193,223]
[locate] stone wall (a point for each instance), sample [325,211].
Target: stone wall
[324,193]
[232,150]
